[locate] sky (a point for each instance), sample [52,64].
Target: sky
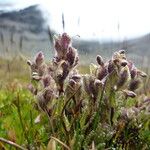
[100,19]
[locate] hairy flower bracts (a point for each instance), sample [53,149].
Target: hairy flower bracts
[74,85]
[43,85]
[66,58]
[98,109]
[38,67]
[92,86]
[49,79]
[118,73]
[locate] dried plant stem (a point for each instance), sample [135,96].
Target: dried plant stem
[61,143]
[12,143]
[21,120]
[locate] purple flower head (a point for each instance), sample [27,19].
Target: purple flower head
[124,63]
[100,60]
[102,72]
[134,84]
[65,41]
[44,97]
[61,45]
[124,76]
[39,58]
[110,66]
[42,69]
[92,86]
[129,93]
[133,73]
[71,54]
[48,95]
[132,69]
[141,73]
[46,80]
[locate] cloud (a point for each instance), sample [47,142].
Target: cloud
[96,18]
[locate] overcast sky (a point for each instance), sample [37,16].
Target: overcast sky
[103,19]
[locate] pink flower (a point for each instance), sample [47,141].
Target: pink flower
[65,41]
[39,58]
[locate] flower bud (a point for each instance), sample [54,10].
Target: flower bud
[110,66]
[48,95]
[39,58]
[134,84]
[29,62]
[46,80]
[133,73]
[33,66]
[123,77]
[122,51]
[42,69]
[71,55]
[65,73]
[147,100]
[65,41]
[58,48]
[100,60]
[101,72]
[141,73]
[124,63]
[129,93]
[122,54]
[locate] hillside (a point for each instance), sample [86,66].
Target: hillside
[31,19]
[26,31]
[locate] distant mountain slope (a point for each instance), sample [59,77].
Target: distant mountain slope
[138,49]
[26,31]
[31,17]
